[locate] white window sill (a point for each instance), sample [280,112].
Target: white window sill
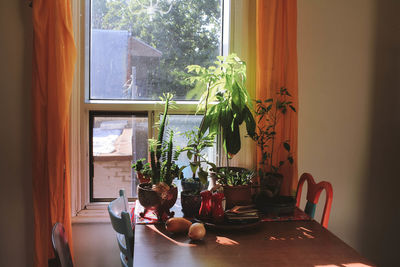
[94,213]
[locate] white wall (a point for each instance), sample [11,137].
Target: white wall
[349,119]
[16,222]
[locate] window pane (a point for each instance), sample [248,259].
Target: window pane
[139,51]
[117,141]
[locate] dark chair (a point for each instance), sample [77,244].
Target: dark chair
[313,193]
[120,221]
[61,247]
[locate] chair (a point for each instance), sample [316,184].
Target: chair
[313,193]
[61,247]
[120,221]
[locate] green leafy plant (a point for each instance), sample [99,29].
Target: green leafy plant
[269,112]
[227,176]
[197,142]
[224,83]
[142,166]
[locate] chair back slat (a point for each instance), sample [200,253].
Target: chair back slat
[121,223]
[310,209]
[60,246]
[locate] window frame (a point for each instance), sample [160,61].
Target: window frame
[81,106]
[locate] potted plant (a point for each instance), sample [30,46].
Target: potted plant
[160,194]
[236,183]
[190,195]
[224,84]
[269,112]
[143,170]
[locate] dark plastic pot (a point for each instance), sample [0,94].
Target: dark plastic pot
[271,183]
[191,202]
[193,185]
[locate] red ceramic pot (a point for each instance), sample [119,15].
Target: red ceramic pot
[160,203]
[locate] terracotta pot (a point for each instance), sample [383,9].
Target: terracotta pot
[142,179]
[237,195]
[160,203]
[191,203]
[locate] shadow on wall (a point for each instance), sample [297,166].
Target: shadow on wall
[26,120]
[379,229]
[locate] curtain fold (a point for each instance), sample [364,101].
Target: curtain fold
[276,34]
[54,56]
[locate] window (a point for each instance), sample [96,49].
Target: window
[140,48]
[134,51]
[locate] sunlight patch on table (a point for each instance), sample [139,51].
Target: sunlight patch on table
[226,241]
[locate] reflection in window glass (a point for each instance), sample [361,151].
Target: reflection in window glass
[139,51]
[116,142]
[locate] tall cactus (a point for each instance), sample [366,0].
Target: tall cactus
[168,164]
[156,146]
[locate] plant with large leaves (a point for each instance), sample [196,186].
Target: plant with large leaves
[225,84]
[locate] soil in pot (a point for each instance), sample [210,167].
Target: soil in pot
[191,202]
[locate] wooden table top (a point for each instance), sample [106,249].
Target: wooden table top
[291,243]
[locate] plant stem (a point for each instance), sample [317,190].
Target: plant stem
[227,161]
[205,110]
[273,138]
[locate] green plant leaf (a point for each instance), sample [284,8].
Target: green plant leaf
[286,146]
[233,140]
[250,122]
[194,166]
[203,175]
[290,159]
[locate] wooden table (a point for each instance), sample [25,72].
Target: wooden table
[291,243]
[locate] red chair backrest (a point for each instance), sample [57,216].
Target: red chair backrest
[313,193]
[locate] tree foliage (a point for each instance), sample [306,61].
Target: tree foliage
[189,34]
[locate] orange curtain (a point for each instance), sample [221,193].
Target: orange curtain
[276,28]
[54,56]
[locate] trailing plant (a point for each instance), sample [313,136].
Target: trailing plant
[224,83]
[269,112]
